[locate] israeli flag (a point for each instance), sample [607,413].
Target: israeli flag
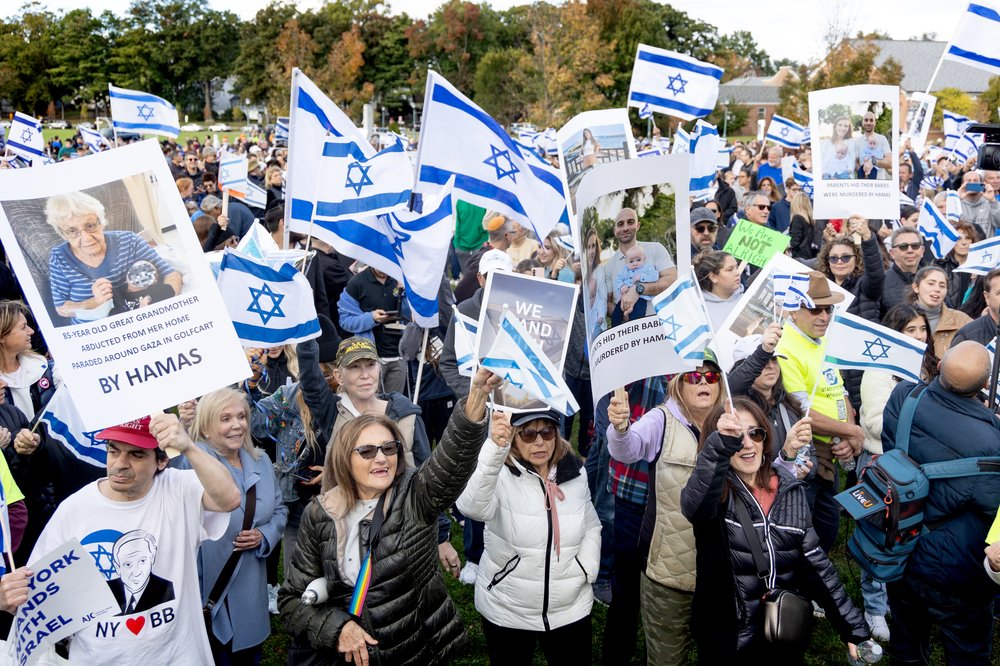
[806,135]
[25,137]
[142,113]
[983,257]
[906,201]
[682,142]
[854,343]
[356,185]
[458,139]
[94,140]
[645,112]
[517,358]
[649,152]
[725,152]
[66,428]
[791,291]
[955,125]
[546,142]
[977,39]
[967,147]
[281,129]
[466,332]
[268,307]
[705,145]
[412,247]
[233,174]
[784,132]
[991,347]
[685,321]
[937,230]
[673,83]
[953,206]
[256,196]
[804,179]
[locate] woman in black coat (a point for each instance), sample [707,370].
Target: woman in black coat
[732,467]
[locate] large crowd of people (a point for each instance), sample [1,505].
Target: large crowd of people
[683,503]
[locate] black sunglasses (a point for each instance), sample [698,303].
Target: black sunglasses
[757,434]
[842,259]
[369,451]
[694,377]
[909,246]
[763,206]
[529,435]
[820,309]
[705,228]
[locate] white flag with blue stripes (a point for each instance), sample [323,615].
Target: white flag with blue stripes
[785,132]
[936,229]
[269,307]
[967,147]
[460,140]
[791,291]
[673,83]
[354,185]
[281,129]
[682,142]
[66,428]
[705,144]
[94,140]
[953,206]
[983,257]
[233,174]
[517,358]
[142,113]
[684,320]
[955,125]
[804,179]
[645,112]
[857,344]
[977,39]
[25,137]
[255,196]
[466,332]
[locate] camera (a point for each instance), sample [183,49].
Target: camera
[989,152]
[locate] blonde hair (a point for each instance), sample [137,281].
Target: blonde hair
[674,391]
[558,251]
[206,415]
[337,465]
[802,207]
[64,207]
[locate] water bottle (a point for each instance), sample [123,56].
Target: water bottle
[801,459]
[869,652]
[847,465]
[315,592]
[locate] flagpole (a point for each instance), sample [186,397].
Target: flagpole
[704,309]
[111,112]
[995,372]
[421,359]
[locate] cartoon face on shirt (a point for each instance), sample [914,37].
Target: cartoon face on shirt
[134,563]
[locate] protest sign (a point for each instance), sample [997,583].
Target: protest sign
[545,308]
[652,192]
[589,139]
[855,132]
[65,594]
[118,283]
[755,243]
[918,120]
[756,308]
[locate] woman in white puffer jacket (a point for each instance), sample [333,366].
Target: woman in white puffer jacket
[543,543]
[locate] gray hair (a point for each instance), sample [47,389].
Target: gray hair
[750,196]
[64,207]
[134,535]
[210,202]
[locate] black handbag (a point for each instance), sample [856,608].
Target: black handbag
[788,616]
[230,566]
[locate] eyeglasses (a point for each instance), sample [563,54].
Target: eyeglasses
[757,434]
[820,309]
[763,206]
[908,246]
[842,259]
[529,435]
[369,451]
[705,228]
[88,228]
[710,377]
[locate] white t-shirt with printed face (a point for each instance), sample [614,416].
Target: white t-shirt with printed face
[160,588]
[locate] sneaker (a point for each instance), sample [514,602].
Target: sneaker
[602,592]
[469,571]
[818,610]
[272,599]
[879,627]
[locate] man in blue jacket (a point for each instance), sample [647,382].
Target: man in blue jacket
[945,583]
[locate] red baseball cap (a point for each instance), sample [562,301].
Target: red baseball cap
[134,432]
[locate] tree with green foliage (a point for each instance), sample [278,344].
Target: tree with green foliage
[26,43]
[955,100]
[503,85]
[990,100]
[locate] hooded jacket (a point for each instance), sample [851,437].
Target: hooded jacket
[719,308]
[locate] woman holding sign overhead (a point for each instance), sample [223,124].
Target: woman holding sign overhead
[666,438]
[854,262]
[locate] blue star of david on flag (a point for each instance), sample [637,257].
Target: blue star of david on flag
[362,179]
[26,135]
[513,381]
[671,332]
[784,130]
[494,161]
[987,255]
[676,85]
[876,349]
[145,111]
[224,175]
[255,306]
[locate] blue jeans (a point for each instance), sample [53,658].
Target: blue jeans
[622,625]
[598,478]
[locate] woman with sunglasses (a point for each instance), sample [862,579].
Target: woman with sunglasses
[666,438]
[367,544]
[927,294]
[856,268]
[876,387]
[733,467]
[543,544]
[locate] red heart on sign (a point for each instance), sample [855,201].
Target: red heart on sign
[135,624]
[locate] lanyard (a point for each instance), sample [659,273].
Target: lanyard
[364,580]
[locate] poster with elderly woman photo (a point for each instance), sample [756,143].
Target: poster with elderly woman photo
[855,134]
[117,281]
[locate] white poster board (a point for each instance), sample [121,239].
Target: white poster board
[855,141]
[918,120]
[125,343]
[653,187]
[589,139]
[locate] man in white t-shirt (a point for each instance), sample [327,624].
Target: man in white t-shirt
[142,525]
[626,227]
[876,146]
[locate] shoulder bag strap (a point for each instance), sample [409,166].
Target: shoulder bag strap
[230,566]
[905,423]
[743,515]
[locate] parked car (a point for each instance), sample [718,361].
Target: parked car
[88,126]
[191,127]
[220,127]
[59,124]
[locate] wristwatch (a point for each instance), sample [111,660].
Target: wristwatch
[640,288]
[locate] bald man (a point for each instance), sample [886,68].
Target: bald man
[945,583]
